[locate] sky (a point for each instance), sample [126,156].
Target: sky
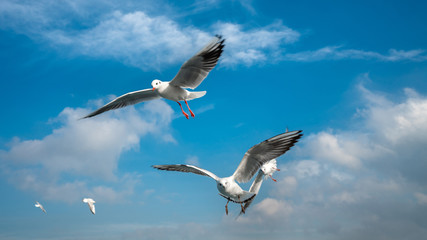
[351,74]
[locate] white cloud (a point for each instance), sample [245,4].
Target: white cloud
[421,198]
[138,38]
[289,184]
[329,147]
[192,160]
[307,168]
[338,53]
[271,207]
[59,164]
[255,45]
[142,40]
[140,35]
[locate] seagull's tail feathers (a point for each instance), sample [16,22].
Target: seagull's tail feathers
[194,95]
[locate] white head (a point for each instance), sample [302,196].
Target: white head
[222,184]
[88,200]
[156,83]
[269,167]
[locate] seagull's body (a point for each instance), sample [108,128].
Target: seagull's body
[40,206]
[91,203]
[191,75]
[251,162]
[266,170]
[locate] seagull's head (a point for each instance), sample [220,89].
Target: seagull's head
[156,83]
[223,184]
[269,167]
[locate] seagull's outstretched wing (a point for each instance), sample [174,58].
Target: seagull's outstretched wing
[186,168]
[92,207]
[195,69]
[127,99]
[264,152]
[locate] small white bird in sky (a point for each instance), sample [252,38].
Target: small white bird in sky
[253,159]
[40,206]
[91,203]
[265,171]
[191,75]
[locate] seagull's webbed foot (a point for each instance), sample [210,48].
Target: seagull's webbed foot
[243,209]
[191,112]
[241,205]
[226,207]
[273,178]
[185,114]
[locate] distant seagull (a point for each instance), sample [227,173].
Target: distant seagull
[253,159]
[40,206]
[91,203]
[191,74]
[265,171]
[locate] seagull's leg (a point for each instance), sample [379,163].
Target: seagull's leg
[185,114]
[191,112]
[241,205]
[273,178]
[226,207]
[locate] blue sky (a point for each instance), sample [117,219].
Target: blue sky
[350,74]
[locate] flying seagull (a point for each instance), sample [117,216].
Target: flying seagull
[253,159]
[40,206]
[191,74]
[266,170]
[91,203]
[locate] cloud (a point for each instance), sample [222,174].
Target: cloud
[139,35]
[372,171]
[272,207]
[255,45]
[338,53]
[421,198]
[192,160]
[143,41]
[80,151]
[136,37]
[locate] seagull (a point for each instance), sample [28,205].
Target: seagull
[91,203]
[40,206]
[269,168]
[266,170]
[191,75]
[253,159]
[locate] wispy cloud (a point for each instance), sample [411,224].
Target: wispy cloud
[60,164]
[250,46]
[138,36]
[340,53]
[192,160]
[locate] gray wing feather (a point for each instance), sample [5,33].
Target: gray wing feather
[264,152]
[186,168]
[256,185]
[195,69]
[127,99]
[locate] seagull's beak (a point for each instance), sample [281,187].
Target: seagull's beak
[154,88]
